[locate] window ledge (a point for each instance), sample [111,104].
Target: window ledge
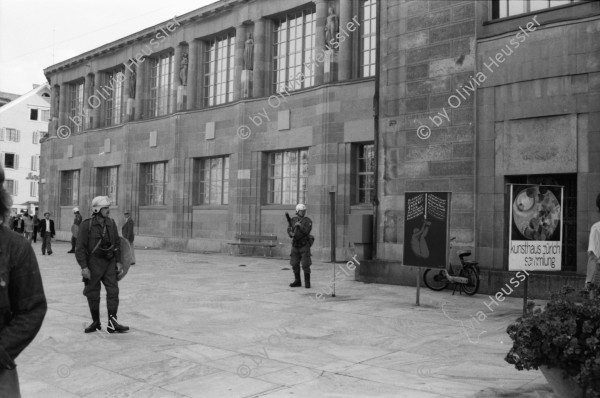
[210,207]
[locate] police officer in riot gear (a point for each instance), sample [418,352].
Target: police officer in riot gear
[98,252]
[299,231]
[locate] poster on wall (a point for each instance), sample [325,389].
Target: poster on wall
[535,233]
[426,228]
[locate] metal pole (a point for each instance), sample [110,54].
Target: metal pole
[332,221]
[418,286]
[525,295]
[332,206]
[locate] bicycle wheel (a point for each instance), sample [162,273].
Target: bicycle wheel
[435,279]
[473,285]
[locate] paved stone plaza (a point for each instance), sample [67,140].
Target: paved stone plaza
[203,325]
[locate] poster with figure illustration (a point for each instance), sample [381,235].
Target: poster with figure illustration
[535,233]
[426,226]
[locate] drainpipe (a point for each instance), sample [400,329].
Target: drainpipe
[376,124]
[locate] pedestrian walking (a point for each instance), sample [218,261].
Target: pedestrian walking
[75,228]
[19,224]
[299,230]
[98,252]
[593,252]
[127,233]
[36,226]
[22,300]
[47,233]
[28,229]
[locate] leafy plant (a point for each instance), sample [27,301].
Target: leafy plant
[564,335]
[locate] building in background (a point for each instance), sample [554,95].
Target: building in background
[218,121]
[23,122]
[5,98]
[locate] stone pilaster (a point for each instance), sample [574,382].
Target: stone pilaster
[62,105]
[345,49]
[138,103]
[87,91]
[320,39]
[260,65]
[176,82]
[240,39]
[193,67]
[96,109]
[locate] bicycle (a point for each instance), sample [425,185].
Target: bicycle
[467,278]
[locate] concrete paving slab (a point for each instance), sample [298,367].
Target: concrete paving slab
[202,325]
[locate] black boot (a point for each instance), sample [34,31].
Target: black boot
[307,280]
[114,327]
[297,282]
[95,311]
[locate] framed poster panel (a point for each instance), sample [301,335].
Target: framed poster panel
[426,229]
[535,233]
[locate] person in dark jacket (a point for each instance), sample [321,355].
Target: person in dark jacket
[22,300]
[36,226]
[76,221]
[127,229]
[47,233]
[98,251]
[299,231]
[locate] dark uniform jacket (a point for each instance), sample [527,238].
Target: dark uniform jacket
[127,230]
[90,233]
[301,233]
[44,228]
[22,300]
[78,219]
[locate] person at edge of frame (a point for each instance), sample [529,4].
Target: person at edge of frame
[76,221]
[593,252]
[23,303]
[98,251]
[301,243]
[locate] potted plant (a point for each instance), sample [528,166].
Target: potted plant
[563,341]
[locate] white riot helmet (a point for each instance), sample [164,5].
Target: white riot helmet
[300,207]
[75,209]
[100,202]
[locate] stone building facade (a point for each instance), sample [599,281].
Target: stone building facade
[453,115]
[175,124]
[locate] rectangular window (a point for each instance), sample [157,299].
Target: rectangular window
[219,70]
[10,160]
[76,119]
[33,189]
[33,114]
[160,81]
[507,8]
[294,51]
[107,178]
[212,176]
[35,162]
[288,177]
[36,137]
[154,182]
[365,167]
[45,115]
[13,135]
[69,188]
[11,187]
[113,92]
[368,38]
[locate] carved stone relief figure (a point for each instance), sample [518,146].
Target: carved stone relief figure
[249,53]
[183,69]
[131,82]
[331,28]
